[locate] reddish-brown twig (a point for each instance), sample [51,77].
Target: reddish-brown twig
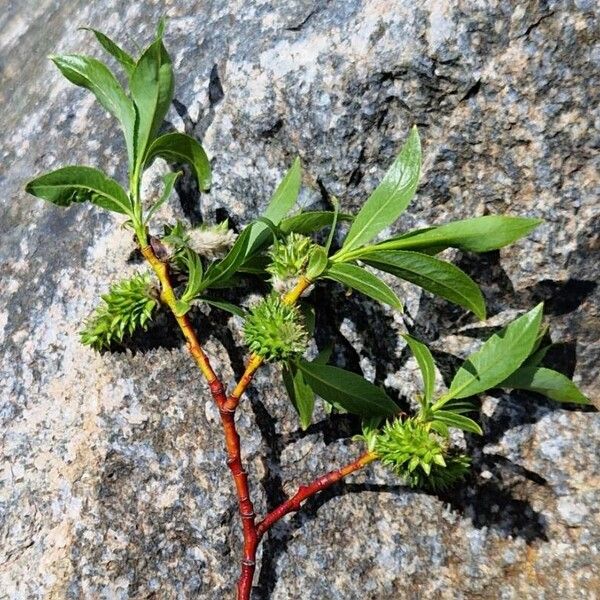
[227,406]
[304,492]
[232,438]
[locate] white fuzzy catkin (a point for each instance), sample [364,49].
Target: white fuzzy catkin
[211,243]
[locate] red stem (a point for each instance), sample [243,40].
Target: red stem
[227,406]
[227,412]
[306,491]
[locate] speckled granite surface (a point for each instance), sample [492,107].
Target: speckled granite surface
[108,483]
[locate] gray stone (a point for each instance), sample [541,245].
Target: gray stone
[112,479]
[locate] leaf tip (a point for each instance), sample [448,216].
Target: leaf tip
[481,312]
[160,28]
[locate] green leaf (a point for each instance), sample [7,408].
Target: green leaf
[452,419]
[95,76]
[181,148]
[347,390]
[283,200]
[274,228]
[309,222]
[502,354]
[440,428]
[300,393]
[194,271]
[480,234]
[391,197]
[434,275]
[151,87]
[317,263]
[460,407]
[255,265]
[547,382]
[226,306]
[80,184]
[324,355]
[336,213]
[222,271]
[362,280]
[125,60]
[169,181]
[426,364]
[538,354]
[285,195]
[535,359]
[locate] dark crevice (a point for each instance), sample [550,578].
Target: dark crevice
[535,24]
[302,23]
[472,91]
[215,89]
[325,195]
[560,297]
[181,109]
[272,131]
[357,174]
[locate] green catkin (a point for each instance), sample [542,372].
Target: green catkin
[274,330]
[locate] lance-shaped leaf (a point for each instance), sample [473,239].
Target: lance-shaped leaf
[80,184]
[426,365]
[434,275]
[502,354]
[390,198]
[95,76]
[256,265]
[336,212]
[547,382]
[363,281]
[300,393]
[480,234]
[169,181]
[283,200]
[226,306]
[460,406]
[125,60]
[220,272]
[194,269]
[151,85]
[309,222]
[181,148]
[538,352]
[347,390]
[453,419]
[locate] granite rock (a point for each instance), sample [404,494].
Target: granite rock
[112,480]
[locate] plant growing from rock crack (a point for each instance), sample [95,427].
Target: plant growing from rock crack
[194,265]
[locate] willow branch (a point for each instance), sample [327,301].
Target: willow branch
[227,413]
[304,492]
